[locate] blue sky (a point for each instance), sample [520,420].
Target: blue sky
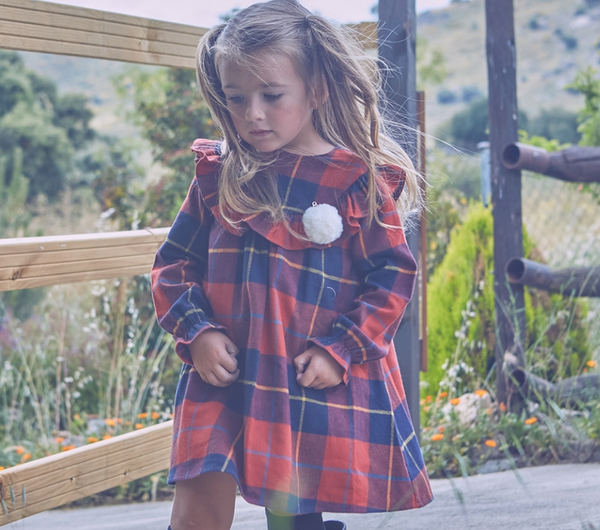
[205,13]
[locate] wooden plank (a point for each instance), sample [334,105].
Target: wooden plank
[53,257]
[53,20]
[98,240]
[63,279]
[77,37]
[59,479]
[74,267]
[81,50]
[46,487]
[99,16]
[506,183]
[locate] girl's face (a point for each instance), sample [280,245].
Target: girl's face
[270,106]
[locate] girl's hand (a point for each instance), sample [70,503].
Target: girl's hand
[317,369]
[213,354]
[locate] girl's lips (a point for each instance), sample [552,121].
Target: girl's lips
[259,133]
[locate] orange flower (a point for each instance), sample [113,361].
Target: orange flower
[110,422]
[489,411]
[68,447]
[441,429]
[490,443]
[428,399]
[171,415]
[155,415]
[118,420]
[2,468]
[502,406]
[480,392]
[107,437]
[142,415]
[77,417]
[443,395]
[437,437]
[530,421]
[591,364]
[19,449]
[92,439]
[25,457]
[455,401]
[139,425]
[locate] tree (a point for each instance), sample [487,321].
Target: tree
[587,82]
[165,104]
[46,127]
[470,126]
[557,124]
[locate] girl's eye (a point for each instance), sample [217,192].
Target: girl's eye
[272,97]
[235,100]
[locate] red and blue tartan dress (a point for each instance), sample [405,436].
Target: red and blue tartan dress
[350,448]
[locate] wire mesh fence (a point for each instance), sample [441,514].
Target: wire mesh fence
[563,221]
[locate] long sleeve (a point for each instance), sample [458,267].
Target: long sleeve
[177,287]
[387,272]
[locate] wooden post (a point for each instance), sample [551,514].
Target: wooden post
[506,183]
[397,47]
[422,142]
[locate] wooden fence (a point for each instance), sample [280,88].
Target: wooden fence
[29,25]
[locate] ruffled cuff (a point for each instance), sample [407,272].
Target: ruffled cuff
[184,337]
[338,351]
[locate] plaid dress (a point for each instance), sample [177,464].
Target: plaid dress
[350,448]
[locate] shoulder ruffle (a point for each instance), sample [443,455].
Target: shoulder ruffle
[208,161]
[343,185]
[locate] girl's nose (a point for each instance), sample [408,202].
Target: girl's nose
[254,111]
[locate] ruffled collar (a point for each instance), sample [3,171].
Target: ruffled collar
[337,179]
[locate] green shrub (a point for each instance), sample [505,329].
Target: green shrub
[460,313]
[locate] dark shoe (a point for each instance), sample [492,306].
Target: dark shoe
[335,525]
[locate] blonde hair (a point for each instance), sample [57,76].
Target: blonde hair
[337,72]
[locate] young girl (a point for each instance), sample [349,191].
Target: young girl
[283,281]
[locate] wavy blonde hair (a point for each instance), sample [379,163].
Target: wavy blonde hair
[337,72]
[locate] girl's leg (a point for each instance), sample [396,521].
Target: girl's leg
[206,502]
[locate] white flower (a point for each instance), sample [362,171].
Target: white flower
[322,223]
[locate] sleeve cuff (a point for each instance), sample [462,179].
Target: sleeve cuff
[184,338]
[339,352]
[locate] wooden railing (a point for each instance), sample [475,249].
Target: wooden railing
[25,263]
[50,482]
[41,261]
[32,26]
[29,25]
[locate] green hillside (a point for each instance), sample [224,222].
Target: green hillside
[554,39]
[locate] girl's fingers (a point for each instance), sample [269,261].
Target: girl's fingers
[229,362]
[220,377]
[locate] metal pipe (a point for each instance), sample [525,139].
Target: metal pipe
[575,164]
[583,281]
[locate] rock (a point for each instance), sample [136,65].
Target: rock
[468,407]
[493,466]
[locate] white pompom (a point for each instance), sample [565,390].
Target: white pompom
[322,223]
